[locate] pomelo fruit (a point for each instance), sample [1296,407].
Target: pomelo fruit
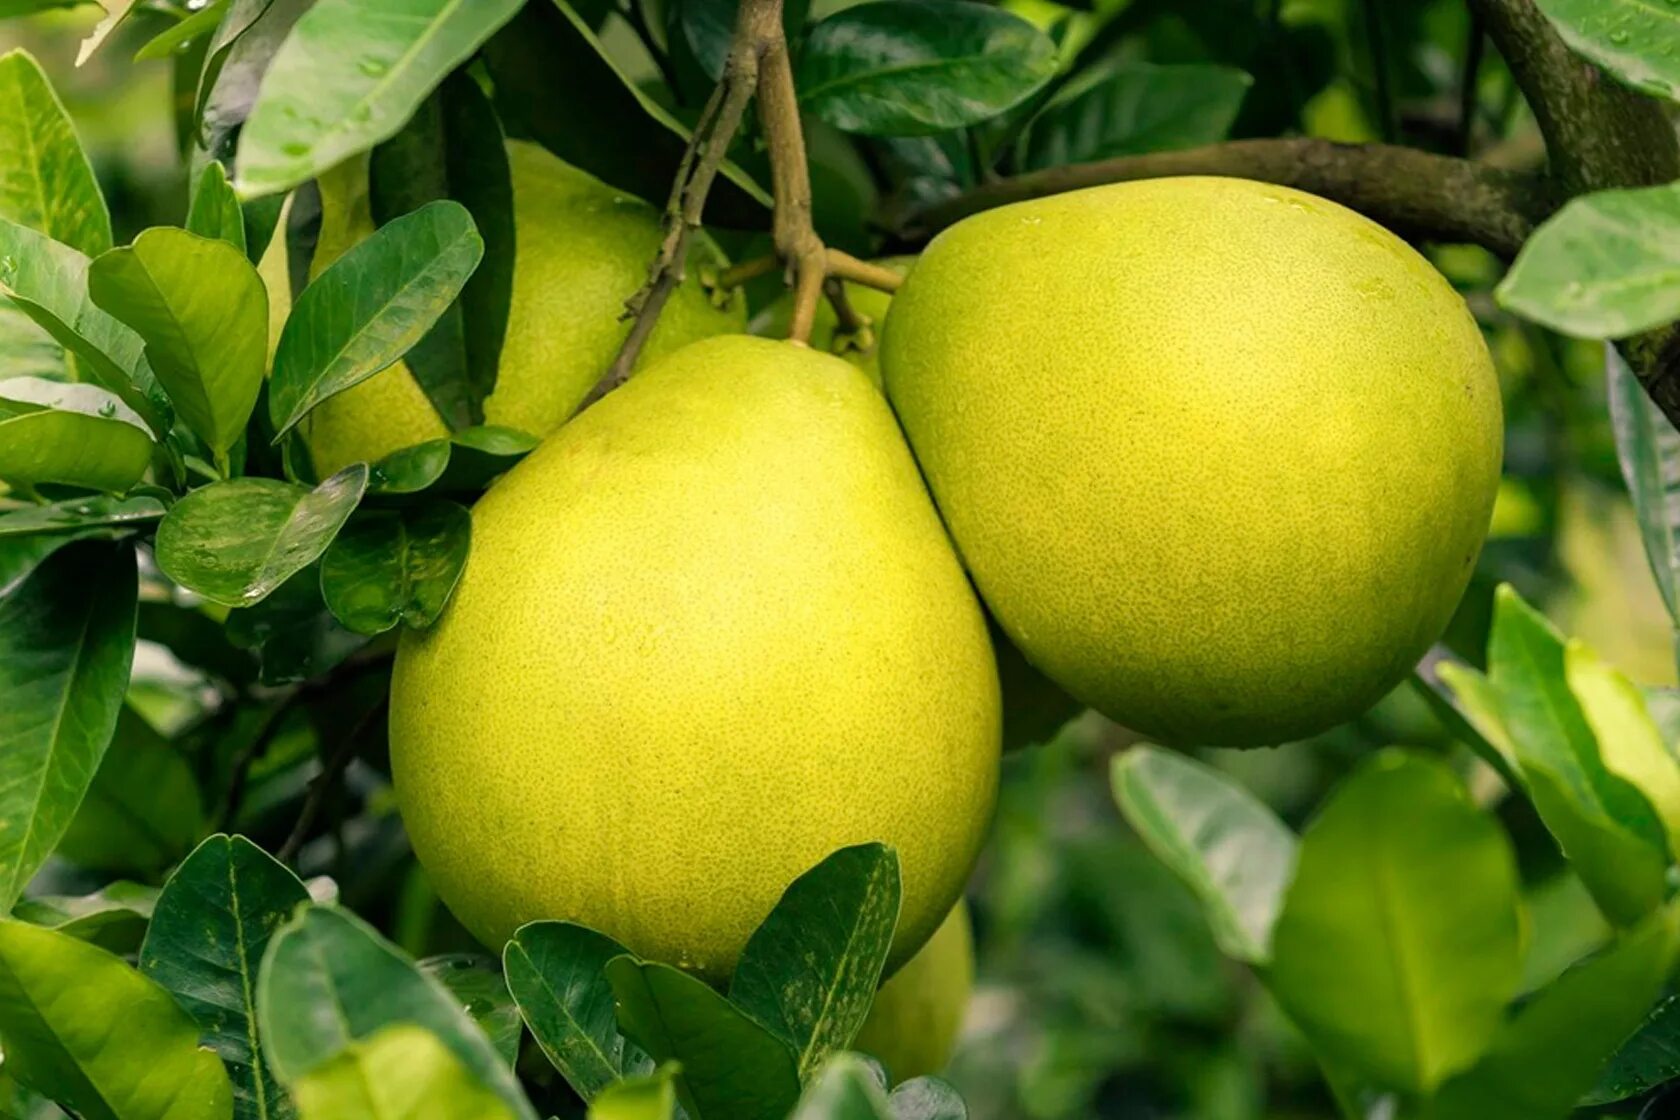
[918,1013]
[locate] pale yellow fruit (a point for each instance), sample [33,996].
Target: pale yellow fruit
[863,351]
[918,1013]
[581,249]
[710,631]
[1219,455]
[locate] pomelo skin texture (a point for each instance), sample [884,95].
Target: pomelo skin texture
[918,1013]
[582,248]
[709,632]
[1219,455]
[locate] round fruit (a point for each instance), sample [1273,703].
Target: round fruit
[581,249]
[711,631]
[1218,454]
[918,1013]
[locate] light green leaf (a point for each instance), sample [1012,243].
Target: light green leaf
[70,434]
[1605,266]
[215,208]
[1648,447]
[234,542]
[1636,40]
[651,1096]
[81,513]
[844,1089]
[114,917]
[1216,836]
[465,463]
[82,1027]
[143,811]
[46,182]
[1399,943]
[66,645]
[1629,740]
[189,27]
[203,312]
[400,1072]
[926,1098]
[348,76]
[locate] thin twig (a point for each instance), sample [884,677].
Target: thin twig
[323,784]
[736,275]
[847,321]
[848,267]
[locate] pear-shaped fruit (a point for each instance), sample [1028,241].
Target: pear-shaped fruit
[581,249]
[918,1013]
[710,631]
[1219,454]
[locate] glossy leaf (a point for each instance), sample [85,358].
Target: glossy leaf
[82,513]
[466,462]
[915,67]
[477,985]
[114,917]
[926,1098]
[843,1089]
[328,980]
[1648,1058]
[1648,447]
[66,644]
[142,812]
[209,931]
[215,208]
[235,61]
[453,148]
[1399,943]
[1548,1055]
[1128,108]
[82,1027]
[400,1072]
[68,440]
[1637,41]
[1222,841]
[46,182]
[348,76]
[197,24]
[292,633]
[234,542]
[557,974]
[810,970]
[1629,741]
[1607,265]
[731,1068]
[203,313]
[371,306]
[393,566]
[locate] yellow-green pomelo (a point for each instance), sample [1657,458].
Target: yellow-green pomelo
[710,631]
[871,303]
[918,1013]
[1219,455]
[581,248]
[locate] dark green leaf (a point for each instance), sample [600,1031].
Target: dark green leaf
[464,463]
[74,435]
[46,182]
[143,811]
[370,307]
[66,644]
[731,1068]
[916,67]
[234,64]
[1649,450]
[1636,40]
[215,208]
[1650,1057]
[557,973]
[1216,836]
[391,566]
[1128,108]
[209,931]
[399,1072]
[294,635]
[477,985]
[348,76]
[191,26]
[328,979]
[203,313]
[197,640]
[114,917]
[810,970]
[651,1096]
[844,1088]
[707,26]
[82,1027]
[453,148]
[926,1098]
[234,542]
[1399,943]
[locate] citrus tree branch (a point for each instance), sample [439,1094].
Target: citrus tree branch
[1419,194]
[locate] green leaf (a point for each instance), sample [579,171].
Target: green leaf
[203,312]
[82,1027]
[1399,942]
[46,182]
[234,64]
[557,84]
[143,811]
[453,148]
[328,980]
[651,1096]
[810,970]
[557,974]
[1547,1056]
[1124,108]
[114,917]
[116,11]
[234,542]
[294,635]
[477,984]
[81,513]
[47,281]
[1604,824]
[66,644]
[75,435]
[1220,839]
[391,566]
[348,76]
[1636,40]
[1650,1057]
[926,1098]
[370,307]
[1629,740]
[844,1088]
[211,926]
[732,1068]
[196,640]
[187,28]
[215,208]
[1648,447]
[916,67]
[400,1072]
[464,463]
[1607,265]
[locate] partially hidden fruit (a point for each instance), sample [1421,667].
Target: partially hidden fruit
[1219,455]
[862,350]
[710,631]
[918,1013]
[581,248]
